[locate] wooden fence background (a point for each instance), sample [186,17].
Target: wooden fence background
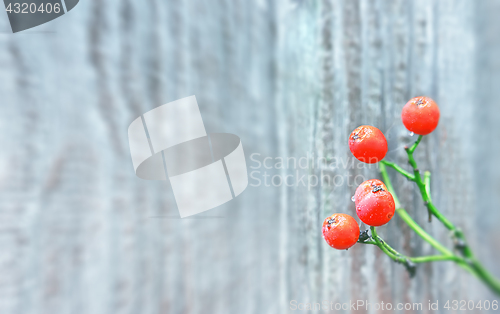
[79,233]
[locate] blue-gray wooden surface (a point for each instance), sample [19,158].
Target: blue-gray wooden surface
[79,233]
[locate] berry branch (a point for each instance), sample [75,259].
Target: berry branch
[407,261]
[403,214]
[446,254]
[468,260]
[377,202]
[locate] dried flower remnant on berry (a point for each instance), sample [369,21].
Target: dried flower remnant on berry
[368,187]
[377,188]
[331,221]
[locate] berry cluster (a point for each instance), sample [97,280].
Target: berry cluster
[376,202]
[375,205]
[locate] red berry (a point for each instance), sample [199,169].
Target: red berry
[368,187]
[368,144]
[340,231]
[375,208]
[420,115]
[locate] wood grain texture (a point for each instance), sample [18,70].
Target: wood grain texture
[364,61]
[80,233]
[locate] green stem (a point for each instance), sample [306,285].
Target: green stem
[414,146]
[427,184]
[393,251]
[396,167]
[388,183]
[435,258]
[408,262]
[423,191]
[422,233]
[397,258]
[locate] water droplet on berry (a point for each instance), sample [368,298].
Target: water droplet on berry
[353,198]
[411,133]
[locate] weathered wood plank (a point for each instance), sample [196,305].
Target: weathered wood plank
[79,233]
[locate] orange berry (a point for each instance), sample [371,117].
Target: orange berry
[420,115]
[340,231]
[376,208]
[368,144]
